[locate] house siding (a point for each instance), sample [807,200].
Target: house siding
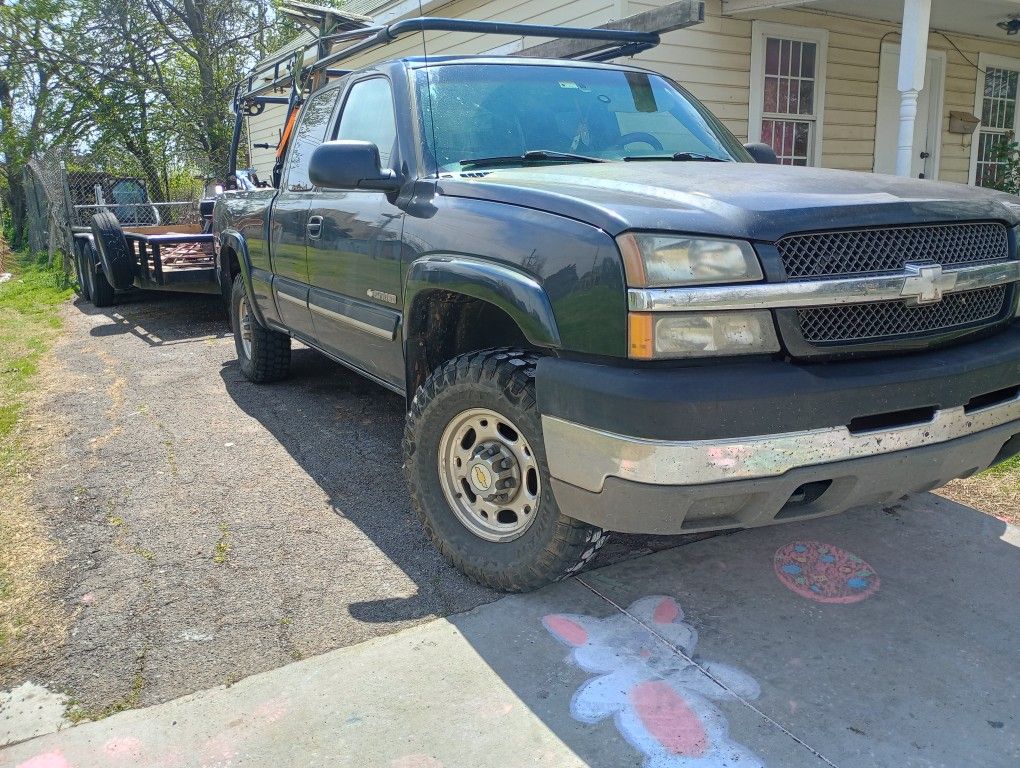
[713,60]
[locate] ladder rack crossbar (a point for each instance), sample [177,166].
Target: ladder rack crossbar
[285,71]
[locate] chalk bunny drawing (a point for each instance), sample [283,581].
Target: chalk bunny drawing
[662,704]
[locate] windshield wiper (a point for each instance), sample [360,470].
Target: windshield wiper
[529,156]
[681,156]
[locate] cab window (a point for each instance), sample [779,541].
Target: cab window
[368,116]
[309,133]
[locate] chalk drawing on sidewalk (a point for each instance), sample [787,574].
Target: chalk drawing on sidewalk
[224,749]
[661,703]
[53,759]
[824,573]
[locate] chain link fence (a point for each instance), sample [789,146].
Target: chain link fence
[61,202]
[47,222]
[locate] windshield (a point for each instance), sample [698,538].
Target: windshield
[478,112]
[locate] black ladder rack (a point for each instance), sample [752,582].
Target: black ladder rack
[253,94]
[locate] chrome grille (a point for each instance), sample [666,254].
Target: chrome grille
[868,322]
[826,254]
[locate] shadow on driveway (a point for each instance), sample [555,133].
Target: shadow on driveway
[354,455]
[160,318]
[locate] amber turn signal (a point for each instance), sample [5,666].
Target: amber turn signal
[641,335]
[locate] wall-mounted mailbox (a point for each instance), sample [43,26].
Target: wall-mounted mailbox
[963,122]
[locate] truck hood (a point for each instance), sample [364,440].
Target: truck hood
[746,200]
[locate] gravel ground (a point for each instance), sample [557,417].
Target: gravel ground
[212,528]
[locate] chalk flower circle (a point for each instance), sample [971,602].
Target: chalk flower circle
[824,573]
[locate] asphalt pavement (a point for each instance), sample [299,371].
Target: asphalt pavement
[211,528]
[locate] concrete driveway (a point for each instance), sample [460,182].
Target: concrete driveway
[882,637]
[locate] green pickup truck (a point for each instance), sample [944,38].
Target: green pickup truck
[606,314]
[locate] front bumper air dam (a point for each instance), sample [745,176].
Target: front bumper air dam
[636,485]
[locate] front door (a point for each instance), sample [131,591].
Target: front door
[289,219]
[354,248]
[927,126]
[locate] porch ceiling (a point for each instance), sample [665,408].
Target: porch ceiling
[975,17]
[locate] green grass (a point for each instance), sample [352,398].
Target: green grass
[29,324]
[1007,467]
[222,551]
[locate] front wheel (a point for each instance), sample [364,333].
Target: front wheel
[476,468]
[263,355]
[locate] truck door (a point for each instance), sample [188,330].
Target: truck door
[354,248]
[289,220]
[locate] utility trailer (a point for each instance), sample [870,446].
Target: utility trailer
[124,240]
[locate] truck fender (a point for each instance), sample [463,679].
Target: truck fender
[233,240]
[515,292]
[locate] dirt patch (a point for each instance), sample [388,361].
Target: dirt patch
[995,492]
[32,622]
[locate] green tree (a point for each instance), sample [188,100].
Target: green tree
[132,87]
[216,42]
[35,109]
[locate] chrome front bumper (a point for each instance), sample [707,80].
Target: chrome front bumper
[655,486]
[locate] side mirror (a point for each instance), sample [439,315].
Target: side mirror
[762,153]
[350,165]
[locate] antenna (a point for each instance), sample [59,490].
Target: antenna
[428,86]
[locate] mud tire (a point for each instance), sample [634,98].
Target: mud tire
[553,546]
[269,356]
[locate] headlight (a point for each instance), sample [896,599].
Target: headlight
[655,261]
[701,334]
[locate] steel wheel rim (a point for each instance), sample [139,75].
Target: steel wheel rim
[489,475]
[245,320]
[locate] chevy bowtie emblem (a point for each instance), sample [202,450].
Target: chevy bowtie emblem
[925,283]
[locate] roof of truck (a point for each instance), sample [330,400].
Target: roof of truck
[423,61]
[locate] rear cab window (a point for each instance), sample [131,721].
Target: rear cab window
[309,133]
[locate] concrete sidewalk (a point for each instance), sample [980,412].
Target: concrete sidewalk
[882,637]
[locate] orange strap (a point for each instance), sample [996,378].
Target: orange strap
[287,130]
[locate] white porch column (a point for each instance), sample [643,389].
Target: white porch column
[913,58]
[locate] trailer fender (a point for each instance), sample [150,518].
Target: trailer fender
[114,254]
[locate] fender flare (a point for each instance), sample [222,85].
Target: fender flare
[515,292]
[233,240]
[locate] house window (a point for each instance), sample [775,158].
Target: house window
[998,123]
[787,91]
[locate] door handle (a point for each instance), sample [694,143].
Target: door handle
[314,226]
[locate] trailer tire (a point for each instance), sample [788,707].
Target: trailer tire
[81,271]
[101,293]
[496,389]
[114,254]
[263,355]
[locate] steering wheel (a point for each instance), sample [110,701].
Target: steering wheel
[642,136]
